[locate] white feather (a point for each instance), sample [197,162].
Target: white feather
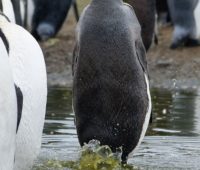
[8,10]
[8,112]
[29,74]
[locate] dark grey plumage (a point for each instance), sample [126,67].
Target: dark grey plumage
[109,92]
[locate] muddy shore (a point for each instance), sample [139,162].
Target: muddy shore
[167,68]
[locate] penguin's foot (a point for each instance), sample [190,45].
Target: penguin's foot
[187,42]
[178,42]
[45,31]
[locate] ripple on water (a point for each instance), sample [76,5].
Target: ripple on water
[172,141]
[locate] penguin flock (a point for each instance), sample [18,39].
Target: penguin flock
[43,18]
[111,93]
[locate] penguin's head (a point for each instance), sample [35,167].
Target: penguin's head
[45,31]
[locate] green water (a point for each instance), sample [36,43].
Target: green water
[172,140]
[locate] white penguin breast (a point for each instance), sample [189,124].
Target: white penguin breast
[8,112]
[29,73]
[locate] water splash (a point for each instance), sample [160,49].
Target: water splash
[93,156]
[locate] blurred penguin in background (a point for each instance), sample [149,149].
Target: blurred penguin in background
[182,13]
[49,15]
[43,18]
[146,13]
[26,61]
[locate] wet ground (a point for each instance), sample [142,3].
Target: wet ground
[172,141]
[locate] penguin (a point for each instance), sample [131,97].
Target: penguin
[8,109]
[49,16]
[111,97]
[185,30]
[146,13]
[29,74]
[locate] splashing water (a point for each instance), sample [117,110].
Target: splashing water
[92,157]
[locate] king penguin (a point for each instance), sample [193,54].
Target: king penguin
[29,73]
[8,109]
[111,97]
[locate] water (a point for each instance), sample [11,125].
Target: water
[172,141]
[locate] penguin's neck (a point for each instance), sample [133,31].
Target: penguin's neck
[106,2]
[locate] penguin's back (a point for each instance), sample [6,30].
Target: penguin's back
[109,83]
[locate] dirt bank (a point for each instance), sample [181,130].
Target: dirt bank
[166,66]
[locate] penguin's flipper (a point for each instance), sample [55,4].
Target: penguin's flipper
[19,104]
[141,54]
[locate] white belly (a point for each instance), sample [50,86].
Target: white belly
[29,73]
[8,112]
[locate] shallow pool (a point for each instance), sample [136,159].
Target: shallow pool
[172,141]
